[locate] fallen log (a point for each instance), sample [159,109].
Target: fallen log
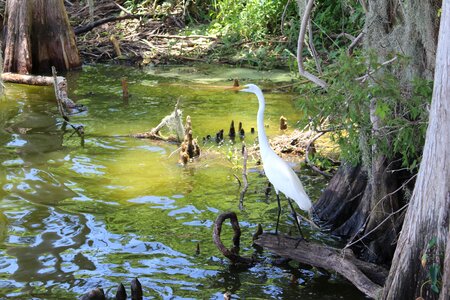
[28,79]
[59,82]
[359,273]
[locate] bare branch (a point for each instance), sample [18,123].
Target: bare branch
[312,49]
[301,38]
[356,41]
[364,77]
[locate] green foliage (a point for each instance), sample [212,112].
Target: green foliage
[248,19]
[403,115]
[434,268]
[333,17]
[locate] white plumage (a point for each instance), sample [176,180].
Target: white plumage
[279,173]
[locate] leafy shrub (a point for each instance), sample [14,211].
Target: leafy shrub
[401,108]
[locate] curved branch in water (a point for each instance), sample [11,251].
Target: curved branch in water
[232,254]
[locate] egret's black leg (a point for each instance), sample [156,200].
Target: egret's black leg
[279,213]
[294,214]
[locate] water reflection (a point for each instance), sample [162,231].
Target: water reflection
[37,241]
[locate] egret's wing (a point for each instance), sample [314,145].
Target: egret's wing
[284,179]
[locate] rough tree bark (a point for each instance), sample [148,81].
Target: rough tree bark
[428,215]
[37,36]
[408,28]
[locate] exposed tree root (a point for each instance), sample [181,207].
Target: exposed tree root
[361,274]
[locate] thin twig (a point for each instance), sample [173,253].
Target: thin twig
[283,16]
[312,49]
[244,177]
[376,227]
[355,43]
[364,77]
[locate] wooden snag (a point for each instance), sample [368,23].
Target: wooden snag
[189,147]
[65,104]
[233,253]
[154,132]
[283,123]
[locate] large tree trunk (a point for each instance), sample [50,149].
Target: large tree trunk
[38,36]
[17,37]
[427,218]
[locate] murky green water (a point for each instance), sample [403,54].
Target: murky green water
[73,218]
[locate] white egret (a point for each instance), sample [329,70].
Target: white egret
[279,173]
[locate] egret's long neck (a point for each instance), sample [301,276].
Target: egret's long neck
[262,138]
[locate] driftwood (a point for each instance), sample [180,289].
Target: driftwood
[233,253]
[60,86]
[154,134]
[361,274]
[28,79]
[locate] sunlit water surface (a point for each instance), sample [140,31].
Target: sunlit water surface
[75,217]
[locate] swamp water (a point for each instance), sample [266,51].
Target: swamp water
[75,217]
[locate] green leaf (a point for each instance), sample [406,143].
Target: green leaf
[382,110]
[432,243]
[434,273]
